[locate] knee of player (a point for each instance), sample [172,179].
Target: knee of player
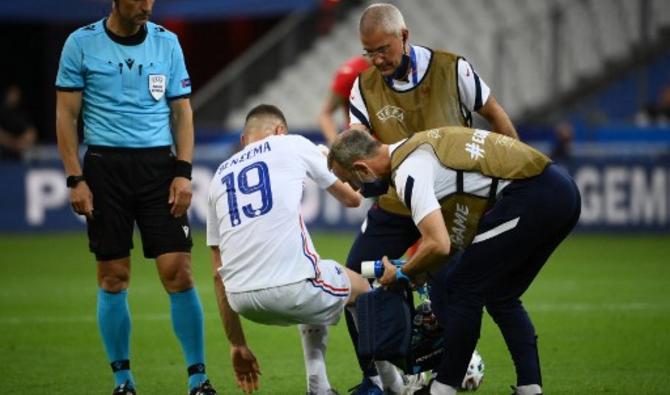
[359,285]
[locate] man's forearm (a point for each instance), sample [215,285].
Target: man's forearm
[68,144]
[504,126]
[184,134]
[230,319]
[427,257]
[434,248]
[328,127]
[326,120]
[498,118]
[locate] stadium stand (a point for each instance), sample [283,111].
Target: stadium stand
[542,51]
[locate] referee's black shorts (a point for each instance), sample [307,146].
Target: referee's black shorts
[132,185]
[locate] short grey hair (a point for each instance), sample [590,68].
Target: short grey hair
[384,16]
[350,146]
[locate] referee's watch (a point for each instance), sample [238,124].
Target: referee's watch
[72,181]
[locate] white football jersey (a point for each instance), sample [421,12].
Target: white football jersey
[254,213]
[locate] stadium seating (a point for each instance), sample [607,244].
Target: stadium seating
[510,44]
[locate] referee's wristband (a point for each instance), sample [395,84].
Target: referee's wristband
[400,276]
[183,168]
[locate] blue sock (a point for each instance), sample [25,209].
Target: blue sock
[187,322]
[114,324]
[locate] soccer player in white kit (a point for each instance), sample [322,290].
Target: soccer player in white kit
[265,264]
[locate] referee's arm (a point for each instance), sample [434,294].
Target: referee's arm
[68,106]
[182,126]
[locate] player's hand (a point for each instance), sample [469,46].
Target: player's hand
[81,200]
[389,276]
[180,196]
[246,368]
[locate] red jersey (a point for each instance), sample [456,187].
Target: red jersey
[346,75]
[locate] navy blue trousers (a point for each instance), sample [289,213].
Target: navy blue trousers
[495,272]
[382,234]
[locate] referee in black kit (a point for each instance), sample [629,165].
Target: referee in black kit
[128,79]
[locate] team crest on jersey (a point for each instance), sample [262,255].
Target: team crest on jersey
[157,83]
[389,112]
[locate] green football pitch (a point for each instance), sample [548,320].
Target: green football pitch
[601,307]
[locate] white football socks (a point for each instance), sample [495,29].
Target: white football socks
[530,389]
[376,381]
[390,377]
[314,345]
[438,388]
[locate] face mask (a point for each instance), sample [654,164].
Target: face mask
[403,68]
[377,187]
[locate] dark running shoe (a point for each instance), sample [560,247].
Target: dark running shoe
[124,389]
[205,388]
[366,387]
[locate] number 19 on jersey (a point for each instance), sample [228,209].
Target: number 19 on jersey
[240,183]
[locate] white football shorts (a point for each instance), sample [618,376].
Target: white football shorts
[311,301]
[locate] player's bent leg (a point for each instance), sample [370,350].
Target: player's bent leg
[389,375]
[382,233]
[113,318]
[372,382]
[314,345]
[359,286]
[174,270]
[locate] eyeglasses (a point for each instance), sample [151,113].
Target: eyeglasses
[381,51]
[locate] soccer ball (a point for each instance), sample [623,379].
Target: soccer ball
[475,373]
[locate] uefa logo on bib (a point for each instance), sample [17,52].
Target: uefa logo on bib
[157,84]
[390,112]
